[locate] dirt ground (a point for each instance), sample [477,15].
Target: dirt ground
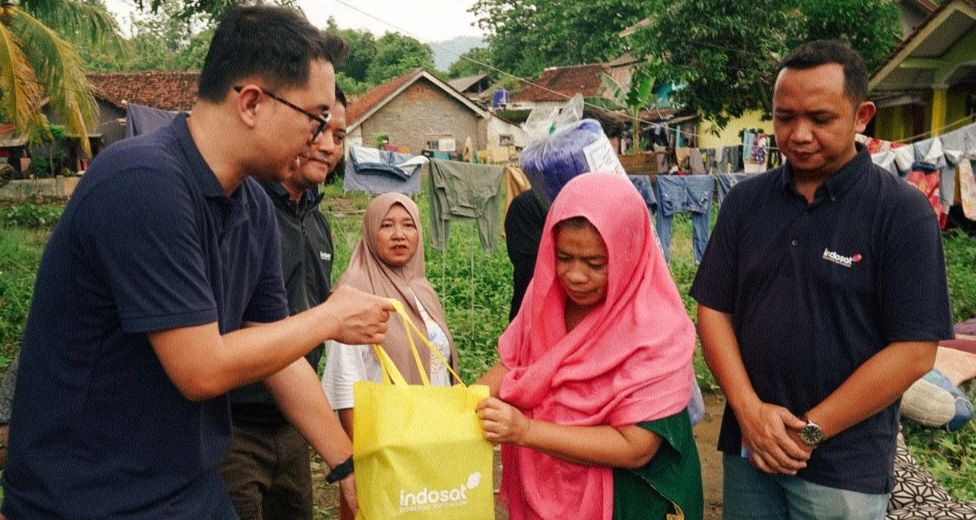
[706,436]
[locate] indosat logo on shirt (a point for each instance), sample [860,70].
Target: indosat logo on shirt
[846,261]
[427,499]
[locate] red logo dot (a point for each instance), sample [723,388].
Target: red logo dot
[856,257]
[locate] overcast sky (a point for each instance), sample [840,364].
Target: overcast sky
[427,20]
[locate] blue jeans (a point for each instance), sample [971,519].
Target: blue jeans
[679,194]
[646,190]
[751,494]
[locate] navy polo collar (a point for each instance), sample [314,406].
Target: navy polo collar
[208,184]
[206,179]
[838,182]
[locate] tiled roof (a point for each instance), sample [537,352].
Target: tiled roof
[561,83]
[466,82]
[377,95]
[162,90]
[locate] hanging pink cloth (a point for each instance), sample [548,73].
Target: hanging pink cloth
[626,362]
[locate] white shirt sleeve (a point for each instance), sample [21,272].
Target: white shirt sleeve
[344,365]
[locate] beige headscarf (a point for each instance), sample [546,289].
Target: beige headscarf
[367,272]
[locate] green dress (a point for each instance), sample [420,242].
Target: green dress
[668,487]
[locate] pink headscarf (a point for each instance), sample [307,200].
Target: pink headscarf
[627,361]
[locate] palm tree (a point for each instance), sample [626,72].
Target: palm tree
[38,65]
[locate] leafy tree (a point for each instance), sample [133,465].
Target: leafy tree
[872,27]
[362,50]
[715,49]
[526,36]
[37,63]
[472,62]
[726,61]
[191,56]
[397,54]
[163,36]
[632,99]
[209,9]
[161,41]
[350,85]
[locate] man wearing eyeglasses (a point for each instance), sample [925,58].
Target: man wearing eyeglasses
[267,469]
[161,290]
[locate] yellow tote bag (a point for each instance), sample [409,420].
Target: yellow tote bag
[418,450]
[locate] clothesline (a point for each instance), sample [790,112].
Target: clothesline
[920,137]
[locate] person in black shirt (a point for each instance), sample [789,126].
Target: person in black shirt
[822,296]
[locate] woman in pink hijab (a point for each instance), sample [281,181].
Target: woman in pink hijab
[589,396]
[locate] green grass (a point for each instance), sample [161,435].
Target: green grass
[20,253]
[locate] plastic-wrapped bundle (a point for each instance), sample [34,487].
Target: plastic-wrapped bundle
[577,148]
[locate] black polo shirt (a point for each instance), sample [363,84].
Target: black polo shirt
[817,289]
[306,258]
[149,241]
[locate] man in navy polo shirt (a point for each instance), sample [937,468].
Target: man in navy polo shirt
[822,296]
[165,254]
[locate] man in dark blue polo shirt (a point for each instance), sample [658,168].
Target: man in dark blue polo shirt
[165,254]
[822,296]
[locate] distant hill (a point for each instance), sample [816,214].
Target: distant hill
[446,52]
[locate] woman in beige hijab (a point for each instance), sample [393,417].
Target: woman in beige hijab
[389,262]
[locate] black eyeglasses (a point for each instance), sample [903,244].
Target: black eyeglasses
[321,120]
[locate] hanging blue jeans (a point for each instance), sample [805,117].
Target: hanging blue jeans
[646,190]
[680,194]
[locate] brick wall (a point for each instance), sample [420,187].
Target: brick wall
[422,113]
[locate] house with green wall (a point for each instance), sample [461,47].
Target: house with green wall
[927,86]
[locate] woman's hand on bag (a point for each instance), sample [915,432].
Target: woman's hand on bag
[347,487]
[502,422]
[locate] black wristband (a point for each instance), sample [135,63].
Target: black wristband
[339,472]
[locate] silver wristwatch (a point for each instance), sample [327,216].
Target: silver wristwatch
[812,434]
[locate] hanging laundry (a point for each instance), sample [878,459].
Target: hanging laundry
[141,119]
[713,159]
[696,162]
[460,190]
[930,151]
[967,188]
[759,148]
[378,171]
[515,183]
[954,144]
[886,160]
[904,158]
[732,159]
[680,194]
[682,156]
[646,191]
[661,157]
[926,177]
[754,147]
[775,157]
[748,138]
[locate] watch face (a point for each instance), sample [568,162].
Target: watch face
[811,434]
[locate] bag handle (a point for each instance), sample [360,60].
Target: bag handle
[389,368]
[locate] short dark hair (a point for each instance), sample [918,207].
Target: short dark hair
[341,96]
[275,43]
[823,52]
